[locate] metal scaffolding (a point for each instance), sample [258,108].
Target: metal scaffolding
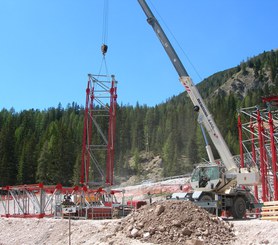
[258,136]
[37,200]
[101,103]
[27,201]
[31,200]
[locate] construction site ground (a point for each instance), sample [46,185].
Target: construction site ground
[162,222]
[14,231]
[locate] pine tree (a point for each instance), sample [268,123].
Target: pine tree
[8,163]
[42,174]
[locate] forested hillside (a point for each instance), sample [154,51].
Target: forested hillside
[45,146]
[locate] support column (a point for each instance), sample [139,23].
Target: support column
[274,155]
[239,126]
[254,157]
[262,157]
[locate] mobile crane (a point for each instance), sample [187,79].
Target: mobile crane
[212,181]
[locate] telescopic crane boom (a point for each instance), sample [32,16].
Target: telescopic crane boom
[209,181]
[205,118]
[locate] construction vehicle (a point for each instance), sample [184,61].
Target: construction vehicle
[225,185]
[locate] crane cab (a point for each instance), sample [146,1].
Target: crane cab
[206,177]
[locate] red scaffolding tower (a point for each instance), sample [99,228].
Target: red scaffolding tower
[100,109]
[258,136]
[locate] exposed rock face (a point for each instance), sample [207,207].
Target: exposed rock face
[176,222]
[240,83]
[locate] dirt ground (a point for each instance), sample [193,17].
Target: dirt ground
[256,231]
[159,223]
[176,222]
[51,231]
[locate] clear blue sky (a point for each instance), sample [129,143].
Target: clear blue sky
[47,48]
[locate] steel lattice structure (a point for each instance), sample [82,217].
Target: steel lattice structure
[100,109]
[38,200]
[258,136]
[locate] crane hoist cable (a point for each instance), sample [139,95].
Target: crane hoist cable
[103,61]
[177,42]
[104,46]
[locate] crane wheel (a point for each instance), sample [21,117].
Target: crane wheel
[207,198]
[238,209]
[196,108]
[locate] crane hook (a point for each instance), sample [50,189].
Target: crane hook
[104,49]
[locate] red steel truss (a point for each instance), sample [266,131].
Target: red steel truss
[38,201]
[258,136]
[101,103]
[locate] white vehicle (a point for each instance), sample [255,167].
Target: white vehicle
[210,181]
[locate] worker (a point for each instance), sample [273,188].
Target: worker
[203,178]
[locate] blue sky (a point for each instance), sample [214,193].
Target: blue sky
[47,48]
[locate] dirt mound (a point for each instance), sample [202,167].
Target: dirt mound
[176,222]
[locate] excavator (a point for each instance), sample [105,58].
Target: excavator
[225,184]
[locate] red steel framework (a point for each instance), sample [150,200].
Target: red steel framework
[38,201]
[34,200]
[101,103]
[258,138]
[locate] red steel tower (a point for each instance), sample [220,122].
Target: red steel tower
[258,136]
[99,129]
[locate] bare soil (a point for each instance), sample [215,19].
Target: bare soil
[165,222]
[177,222]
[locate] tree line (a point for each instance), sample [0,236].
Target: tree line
[45,145]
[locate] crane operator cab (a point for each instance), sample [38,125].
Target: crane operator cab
[205,177]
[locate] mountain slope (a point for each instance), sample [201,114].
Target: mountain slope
[256,73]
[45,146]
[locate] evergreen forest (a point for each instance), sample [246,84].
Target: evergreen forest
[45,145]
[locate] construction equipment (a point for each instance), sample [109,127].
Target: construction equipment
[210,181]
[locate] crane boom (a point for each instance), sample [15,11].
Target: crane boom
[204,117]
